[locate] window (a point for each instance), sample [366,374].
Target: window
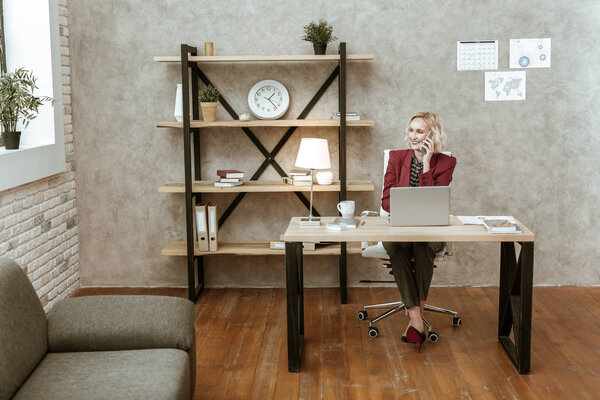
[31,40]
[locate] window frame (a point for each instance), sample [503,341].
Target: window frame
[18,167]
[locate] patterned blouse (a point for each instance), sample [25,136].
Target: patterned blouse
[415,168]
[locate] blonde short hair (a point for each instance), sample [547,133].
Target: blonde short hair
[438,135]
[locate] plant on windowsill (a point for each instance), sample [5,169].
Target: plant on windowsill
[17,102]
[208,97]
[319,34]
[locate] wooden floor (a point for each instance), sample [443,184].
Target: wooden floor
[242,351]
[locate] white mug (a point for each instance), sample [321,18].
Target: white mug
[346,208]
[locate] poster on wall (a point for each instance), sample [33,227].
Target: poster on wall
[477,55]
[530,53]
[505,85]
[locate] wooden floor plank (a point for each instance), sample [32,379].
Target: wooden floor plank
[474,383]
[263,386]
[356,368]
[242,346]
[311,377]
[241,367]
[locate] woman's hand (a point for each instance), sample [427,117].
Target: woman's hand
[427,144]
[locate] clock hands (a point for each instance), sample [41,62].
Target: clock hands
[271,101]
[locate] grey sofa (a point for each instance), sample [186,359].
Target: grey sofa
[97,347]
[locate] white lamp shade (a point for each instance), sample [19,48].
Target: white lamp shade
[313,154]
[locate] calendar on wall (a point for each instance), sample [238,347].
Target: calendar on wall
[477,55]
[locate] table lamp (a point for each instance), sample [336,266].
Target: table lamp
[313,154]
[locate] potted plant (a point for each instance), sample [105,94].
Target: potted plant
[17,102]
[319,34]
[208,97]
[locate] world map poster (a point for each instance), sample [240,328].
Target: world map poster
[505,85]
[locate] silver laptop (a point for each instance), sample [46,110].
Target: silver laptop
[420,206]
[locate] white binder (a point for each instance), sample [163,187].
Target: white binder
[201,227]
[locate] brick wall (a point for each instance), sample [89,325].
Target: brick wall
[38,221]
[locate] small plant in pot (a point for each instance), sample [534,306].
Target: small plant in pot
[17,102]
[208,97]
[319,34]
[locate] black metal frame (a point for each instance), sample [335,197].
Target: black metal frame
[196,263]
[514,306]
[515,301]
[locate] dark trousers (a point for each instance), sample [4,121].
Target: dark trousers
[413,283]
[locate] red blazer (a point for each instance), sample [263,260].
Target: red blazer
[397,174]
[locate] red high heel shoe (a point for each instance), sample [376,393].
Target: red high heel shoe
[414,336]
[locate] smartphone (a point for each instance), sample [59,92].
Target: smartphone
[423,149]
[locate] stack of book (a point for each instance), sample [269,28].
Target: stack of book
[298,177]
[350,116]
[229,178]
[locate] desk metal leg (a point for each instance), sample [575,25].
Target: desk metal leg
[295,303]
[343,274]
[515,302]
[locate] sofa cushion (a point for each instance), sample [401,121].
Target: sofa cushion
[108,323]
[23,340]
[131,374]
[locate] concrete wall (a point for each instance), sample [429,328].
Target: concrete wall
[38,220]
[536,159]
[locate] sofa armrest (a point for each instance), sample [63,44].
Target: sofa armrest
[109,323]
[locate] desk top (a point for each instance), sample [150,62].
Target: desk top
[378,229]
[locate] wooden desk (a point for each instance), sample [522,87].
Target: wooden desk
[516,274]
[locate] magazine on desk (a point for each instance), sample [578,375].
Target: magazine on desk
[493,224]
[501,226]
[340,224]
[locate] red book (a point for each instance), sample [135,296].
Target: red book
[230,173]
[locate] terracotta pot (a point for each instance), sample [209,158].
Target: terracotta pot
[11,140]
[320,48]
[209,111]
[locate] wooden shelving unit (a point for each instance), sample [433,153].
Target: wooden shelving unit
[194,186]
[264,187]
[254,248]
[277,123]
[274,58]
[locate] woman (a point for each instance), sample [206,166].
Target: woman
[421,165]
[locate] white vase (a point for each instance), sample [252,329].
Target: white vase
[324,177]
[179,103]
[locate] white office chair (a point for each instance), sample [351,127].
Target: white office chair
[378,251]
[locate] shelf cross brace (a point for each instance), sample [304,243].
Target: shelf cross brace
[269,156]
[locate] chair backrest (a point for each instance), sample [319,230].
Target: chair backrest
[23,340]
[386,160]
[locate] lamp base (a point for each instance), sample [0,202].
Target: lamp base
[310,222]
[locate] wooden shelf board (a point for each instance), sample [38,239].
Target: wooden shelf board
[264,186]
[253,248]
[265,123]
[264,58]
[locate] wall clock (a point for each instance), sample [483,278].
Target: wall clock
[268,99]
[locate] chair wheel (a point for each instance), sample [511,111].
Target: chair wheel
[373,332]
[433,337]
[456,321]
[362,315]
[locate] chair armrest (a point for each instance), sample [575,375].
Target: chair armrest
[110,323]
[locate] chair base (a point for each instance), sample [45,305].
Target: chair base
[397,306]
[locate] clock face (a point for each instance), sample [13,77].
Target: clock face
[268,99]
